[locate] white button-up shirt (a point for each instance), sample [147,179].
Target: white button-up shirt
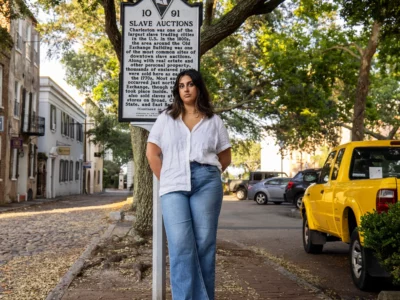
[180,146]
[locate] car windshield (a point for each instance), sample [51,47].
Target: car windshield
[376,162]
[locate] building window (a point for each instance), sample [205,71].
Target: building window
[28,42]
[77,170]
[18,44]
[16,99]
[98,176]
[1,86]
[62,122]
[71,129]
[53,117]
[79,132]
[71,170]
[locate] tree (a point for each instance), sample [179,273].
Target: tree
[10,10]
[219,23]
[380,21]
[246,154]
[111,174]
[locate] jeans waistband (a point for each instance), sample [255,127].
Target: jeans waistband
[195,163]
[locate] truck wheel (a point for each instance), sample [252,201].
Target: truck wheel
[241,193]
[261,199]
[298,200]
[358,263]
[309,247]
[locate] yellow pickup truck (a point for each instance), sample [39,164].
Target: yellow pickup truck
[357,178]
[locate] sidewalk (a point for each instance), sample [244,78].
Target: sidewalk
[25,204]
[118,266]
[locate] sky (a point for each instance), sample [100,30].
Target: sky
[55,70]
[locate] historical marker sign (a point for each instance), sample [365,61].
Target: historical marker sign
[160,39]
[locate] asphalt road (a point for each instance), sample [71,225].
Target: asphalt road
[270,227]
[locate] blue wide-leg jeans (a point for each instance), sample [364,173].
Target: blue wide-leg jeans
[191,221]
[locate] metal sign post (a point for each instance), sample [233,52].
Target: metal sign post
[160,38]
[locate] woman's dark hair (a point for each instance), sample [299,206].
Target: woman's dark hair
[203,103]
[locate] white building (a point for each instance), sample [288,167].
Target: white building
[93,167]
[61,149]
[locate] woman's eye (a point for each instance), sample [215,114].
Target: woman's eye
[191,84]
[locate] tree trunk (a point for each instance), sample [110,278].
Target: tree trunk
[143,182]
[363,84]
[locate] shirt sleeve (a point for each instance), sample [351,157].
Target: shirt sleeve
[223,138]
[156,131]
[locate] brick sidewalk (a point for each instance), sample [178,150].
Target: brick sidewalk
[241,274]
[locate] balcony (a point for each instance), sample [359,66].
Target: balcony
[33,125]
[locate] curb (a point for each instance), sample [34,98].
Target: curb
[58,292]
[301,282]
[389,295]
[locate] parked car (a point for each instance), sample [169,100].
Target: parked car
[295,189]
[240,186]
[272,189]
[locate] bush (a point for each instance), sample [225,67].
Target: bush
[381,233]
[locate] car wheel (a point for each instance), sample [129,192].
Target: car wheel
[241,193]
[358,263]
[298,200]
[309,247]
[261,199]
[277,203]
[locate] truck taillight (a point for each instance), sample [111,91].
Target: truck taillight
[249,187]
[290,185]
[384,198]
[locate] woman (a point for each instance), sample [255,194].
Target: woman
[188,148]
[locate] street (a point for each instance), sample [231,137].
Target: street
[40,243]
[270,228]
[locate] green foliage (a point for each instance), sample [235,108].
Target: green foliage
[364,12]
[9,11]
[111,134]
[6,40]
[381,233]
[246,154]
[110,174]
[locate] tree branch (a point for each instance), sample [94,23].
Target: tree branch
[209,13]
[237,105]
[369,132]
[392,132]
[344,48]
[230,22]
[111,27]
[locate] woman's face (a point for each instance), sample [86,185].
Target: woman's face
[187,90]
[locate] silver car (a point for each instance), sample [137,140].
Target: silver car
[272,189]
